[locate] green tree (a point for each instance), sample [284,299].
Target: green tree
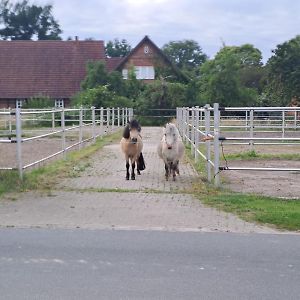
[23,21]
[186,55]
[284,73]
[157,98]
[117,48]
[100,96]
[233,77]
[96,75]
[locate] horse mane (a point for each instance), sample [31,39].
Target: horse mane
[126,132]
[133,124]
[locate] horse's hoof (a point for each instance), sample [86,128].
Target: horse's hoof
[138,172]
[127,177]
[132,177]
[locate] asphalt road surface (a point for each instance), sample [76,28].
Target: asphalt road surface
[120,264]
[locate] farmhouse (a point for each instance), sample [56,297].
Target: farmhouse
[55,69]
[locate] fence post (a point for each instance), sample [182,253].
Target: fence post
[101,121]
[63,135]
[123,116]
[118,117]
[19,142]
[80,126]
[107,118]
[251,129]
[126,115]
[246,119]
[283,124]
[207,132]
[186,123]
[197,134]
[192,136]
[10,121]
[113,118]
[216,144]
[295,120]
[53,119]
[94,123]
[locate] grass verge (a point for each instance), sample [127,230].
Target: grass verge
[280,213]
[45,177]
[251,155]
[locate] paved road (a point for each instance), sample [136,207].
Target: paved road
[107,264]
[100,197]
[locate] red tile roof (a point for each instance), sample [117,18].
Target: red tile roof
[50,68]
[112,63]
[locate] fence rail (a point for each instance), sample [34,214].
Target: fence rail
[207,126]
[20,127]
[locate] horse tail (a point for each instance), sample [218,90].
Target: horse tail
[141,162]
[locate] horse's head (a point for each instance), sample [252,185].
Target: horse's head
[171,135]
[132,131]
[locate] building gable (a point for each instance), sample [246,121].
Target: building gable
[145,58]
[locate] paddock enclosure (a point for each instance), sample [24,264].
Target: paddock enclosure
[30,137]
[216,133]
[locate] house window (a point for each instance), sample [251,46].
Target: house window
[146,49]
[144,72]
[59,103]
[19,103]
[125,73]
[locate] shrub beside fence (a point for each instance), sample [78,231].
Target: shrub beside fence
[81,125]
[213,126]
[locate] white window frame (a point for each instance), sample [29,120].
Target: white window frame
[125,73]
[19,103]
[144,72]
[59,103]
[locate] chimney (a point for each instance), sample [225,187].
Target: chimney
[76,37]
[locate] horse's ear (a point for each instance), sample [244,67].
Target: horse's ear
[126,132]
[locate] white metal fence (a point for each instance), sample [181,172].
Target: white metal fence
[213,126]
[68,127]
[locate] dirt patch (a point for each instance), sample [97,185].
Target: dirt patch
[269,183]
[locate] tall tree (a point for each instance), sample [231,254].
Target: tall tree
[230,78]
[23,21]
[284,72]
[186,55]
[117,48]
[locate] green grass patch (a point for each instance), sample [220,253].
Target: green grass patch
[44,178]
[251,155]
[282,213]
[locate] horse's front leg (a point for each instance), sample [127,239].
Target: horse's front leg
[167,169]
[173,168]
[132,171]
[127,169]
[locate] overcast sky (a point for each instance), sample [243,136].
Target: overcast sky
[263,23]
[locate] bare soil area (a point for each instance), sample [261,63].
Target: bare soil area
[283,184]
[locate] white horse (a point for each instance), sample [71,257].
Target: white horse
[171,150]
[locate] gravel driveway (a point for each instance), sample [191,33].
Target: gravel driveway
[101,198]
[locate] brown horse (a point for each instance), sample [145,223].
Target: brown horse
[132,146]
